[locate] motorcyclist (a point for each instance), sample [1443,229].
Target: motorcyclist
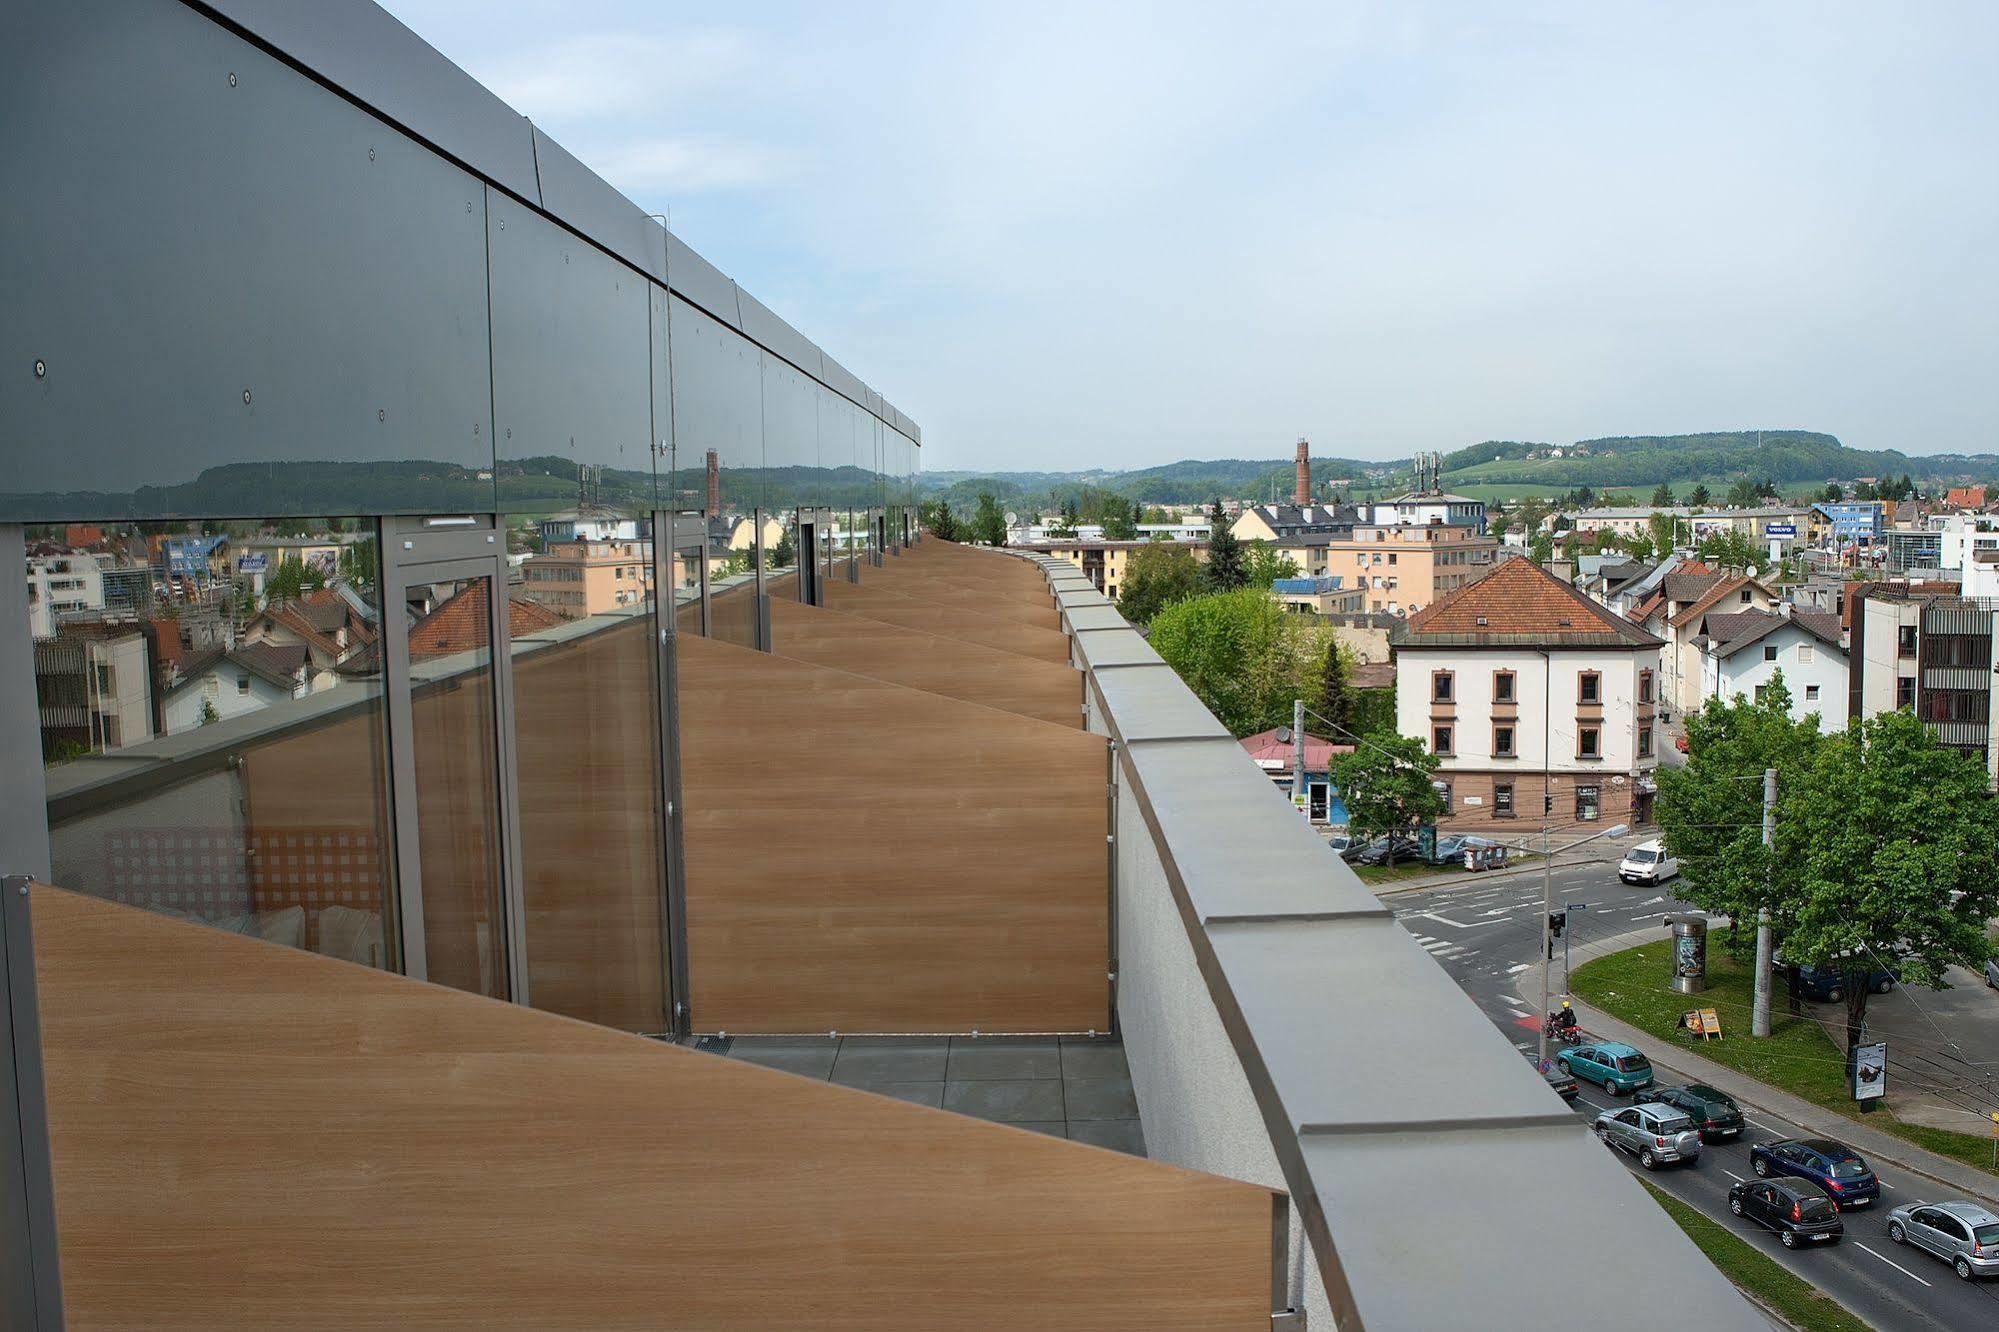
[1565,1020]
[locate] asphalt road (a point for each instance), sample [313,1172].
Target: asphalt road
[1487,934]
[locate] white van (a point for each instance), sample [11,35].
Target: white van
[1648,863]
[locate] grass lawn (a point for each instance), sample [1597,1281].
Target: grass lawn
[1406,869]
[1799,1056]
[1762,1276]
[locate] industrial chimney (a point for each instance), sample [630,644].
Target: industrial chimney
[714,484]
[1301,493]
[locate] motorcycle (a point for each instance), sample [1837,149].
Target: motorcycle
[1566,1035]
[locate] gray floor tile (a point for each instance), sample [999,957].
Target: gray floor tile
[919,1093]
[1094,1059]
[1004,1058]
[1120,1135]
[1022,1101]
[865,1065]
[813,1059]
[1098,1098]
[1054,1128]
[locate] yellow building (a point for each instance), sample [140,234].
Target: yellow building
[1104,561]
[578,579]
[1402,569]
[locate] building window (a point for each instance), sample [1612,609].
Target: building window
[1769,652]
[1440,739]
[1760,691]
[1586,803]
[1905,641]
[1502,686]
[1443,794]
[1391,557]
[1440,686]
[1745,596]
[1589,688]
[1502,800]
[1804,654]
[1905,691]
[242,684]
[1644,742]
[1644,686]
[1587,742]
[1502,742]
[1811,693]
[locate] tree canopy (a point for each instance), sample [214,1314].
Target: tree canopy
[1225,570]
[1244,656]
[1386,784]
[988,523]
[1155,577]
[1265,565]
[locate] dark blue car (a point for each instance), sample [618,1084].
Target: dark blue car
[1833,1166]
[1827,986]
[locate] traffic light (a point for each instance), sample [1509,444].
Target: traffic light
[1557,920]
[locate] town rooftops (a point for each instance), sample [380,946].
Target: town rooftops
[277,665]
[1731,631]
[1429,497]
[1724,585]
[1264,748]
[1520,603]
[1283,518]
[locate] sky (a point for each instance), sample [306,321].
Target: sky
[1066,236]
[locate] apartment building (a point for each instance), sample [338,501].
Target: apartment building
[578,579]
[1401,569]
[1933,652]
[1743,651]
[1104,562]
[61,586]
[94,688]
[1537,702]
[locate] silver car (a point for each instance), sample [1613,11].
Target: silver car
[1963,1234]
[1655,1133]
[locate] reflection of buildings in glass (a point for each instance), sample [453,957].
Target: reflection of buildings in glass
[220,683]
[578,579]
[94,687]
[327,624]
[61,585]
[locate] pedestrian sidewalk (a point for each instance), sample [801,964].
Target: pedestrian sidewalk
[1755,1094]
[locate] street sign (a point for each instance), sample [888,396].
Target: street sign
[1578,906]
[1870,1071]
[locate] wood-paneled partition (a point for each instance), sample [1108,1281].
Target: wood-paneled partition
[244,1135]
[963,617]
[862,857]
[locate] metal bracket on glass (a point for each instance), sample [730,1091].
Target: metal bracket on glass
[30,1278]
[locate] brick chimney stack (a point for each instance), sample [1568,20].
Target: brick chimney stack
[1302,492]
[714,484]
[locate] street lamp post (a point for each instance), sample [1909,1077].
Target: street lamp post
[1548,913]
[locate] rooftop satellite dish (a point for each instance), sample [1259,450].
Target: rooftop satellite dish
[1012,518]
[1284,735]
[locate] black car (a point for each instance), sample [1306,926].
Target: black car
[1376,852]
[1714,1113]
[1799,1211]
[1559,1079]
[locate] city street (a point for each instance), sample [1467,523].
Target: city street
[1486,933]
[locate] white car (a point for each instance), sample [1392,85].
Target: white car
[1648,863]
[1992,973]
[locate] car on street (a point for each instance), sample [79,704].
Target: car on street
[1714,1113]
[1992,973]
[1339,842]
[1376,852]
[1963,1234]
[1559,1079]
[1796,1209]
[1648,863]
[1833,1166]
[1826,985]
[1654,1133]
[1617,1068]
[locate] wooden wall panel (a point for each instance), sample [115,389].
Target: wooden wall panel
[867,858]
[934,617]
[973,594]
[952,667]
[245,1135]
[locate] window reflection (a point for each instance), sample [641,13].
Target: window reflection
[211,714]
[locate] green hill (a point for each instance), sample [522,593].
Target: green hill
[1788,457]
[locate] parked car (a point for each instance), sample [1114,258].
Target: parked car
[1559,1079]
[1648,863]
[1796,1209]
[1714,1113]
[1618,1069]
[1656,1134]
[1448,850]
[1834,1167]
[1376,852]
[1827,986]
[1963,1234]
[1340,842]
[1992,973]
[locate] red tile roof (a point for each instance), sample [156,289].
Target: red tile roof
[461,624]
[1520,602]
[1265,747]
[1693,613]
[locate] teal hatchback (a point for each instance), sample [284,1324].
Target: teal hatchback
[1618,1069]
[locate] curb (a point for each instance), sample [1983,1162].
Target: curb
[1465,878]
[1904,1154]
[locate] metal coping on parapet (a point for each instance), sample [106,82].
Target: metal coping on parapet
[31,1293]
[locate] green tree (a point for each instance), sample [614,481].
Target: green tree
[1699,498]
[1155,577]
[1662,526]
[1541,547]
[208,713]
[1571,546]
[1662,495]
[292,579]
[1155,514]
[988,523]
[941,521]
[1728,548]
[1639,547]
[1833,494]
[1499,525]
[1244,656]
[1120,519]
[1225,570]
[1890,843]
[1264,565]
[1386,785]
[358,562]
[1335,703]
[785,551]
[1742,495]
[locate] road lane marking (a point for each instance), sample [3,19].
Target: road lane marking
[1457,924]
[1765,1127]
[1897,1266]
[1515,971]
[1732,1175]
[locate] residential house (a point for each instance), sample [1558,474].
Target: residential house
[1423,508]
[578,579]
[94,688]
[1965,497]
[1674,613]
[1537,702]
[1741,651]
[220,683]
[324,622]
[1319,596]
[1104,562]
[1277,523]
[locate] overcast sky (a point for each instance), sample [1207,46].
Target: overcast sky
[1066,235]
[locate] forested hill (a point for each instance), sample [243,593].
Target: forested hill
[1787,457]
[1189,482]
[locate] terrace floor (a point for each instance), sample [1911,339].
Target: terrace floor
[1072,1087]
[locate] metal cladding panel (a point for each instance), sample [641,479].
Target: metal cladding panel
[362,50]
[760,324]
[718,405]
[572,362]
[1151,703]
[700,282]
[247,296]
[587,202]
[840,379]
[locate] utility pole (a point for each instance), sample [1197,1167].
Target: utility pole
[1298,753]
[1759,1011]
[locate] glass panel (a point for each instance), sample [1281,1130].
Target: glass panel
[586,718]
[457,778]
[212,724]
[734,549]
